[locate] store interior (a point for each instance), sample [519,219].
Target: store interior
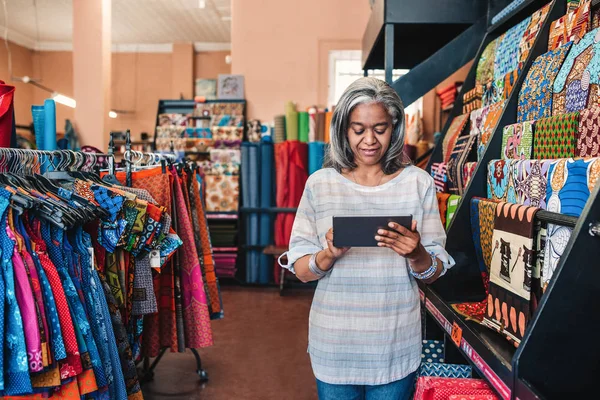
[154,154]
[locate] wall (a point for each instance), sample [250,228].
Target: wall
[209,64]
[276,45]
[21,65]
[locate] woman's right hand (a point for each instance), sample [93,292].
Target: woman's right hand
[334,251]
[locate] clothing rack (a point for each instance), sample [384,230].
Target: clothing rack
[33,160]
[133,158]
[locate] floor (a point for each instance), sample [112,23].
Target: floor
[259,352]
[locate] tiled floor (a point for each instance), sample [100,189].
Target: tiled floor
[259,352]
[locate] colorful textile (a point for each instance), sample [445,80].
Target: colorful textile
[510,80]
[530,34]
[535,97]
[440,176]
[489,126]
[557,238]
[485,65]
[530,182]
[511,270]
[454,131]
[556,137]
[570,183]
[571,27]
[432,351]
[493,92]
[517,141]
[507,52]
[222,193]
[501,182]
[477,120]
[468,172]
[588,135]
[445,370]
[442,199]
[453,201]
[473,397]
[576,85]
[433,388]
[463,151]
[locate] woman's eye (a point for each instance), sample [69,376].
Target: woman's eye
[359,132]
[380,132]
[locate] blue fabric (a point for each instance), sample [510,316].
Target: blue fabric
[251,198]
[266,200]
[569,185]
[398,390]
[16,370]
[445,370]
[316,152]
[49,125]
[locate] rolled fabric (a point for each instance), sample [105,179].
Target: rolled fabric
[266,200]
[312,124]
[49,125]
[328,116]
[291,121]
[303,126]
[320,134]
[316,151]
[279,128]
[37,114]
[7,116]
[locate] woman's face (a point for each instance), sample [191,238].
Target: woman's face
[369,133]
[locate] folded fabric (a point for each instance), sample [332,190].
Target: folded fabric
[511,270]
[570,183]
[530,180]
[489,126]
[537,19]
[483,213]
[228,133]
[222,192]
[557,238]
[225,155]
[454,131]
[478,117]
[501,182]
[433,388]
[535,98]
[468,171]
[453,201]
[442,199]
[473,397]
[464,150]
[445,370]
[493,92]
[440,177]
[556,136]
[588,135]
[485,66]
[507,52]
[571,27]
[510,80]
[576,84]
[517,140]
[432,351]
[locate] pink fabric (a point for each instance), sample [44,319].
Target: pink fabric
[27,306]
[433,388]
[37,292]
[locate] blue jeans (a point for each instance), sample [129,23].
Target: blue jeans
[398,390]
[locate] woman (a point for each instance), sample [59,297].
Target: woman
[365,323]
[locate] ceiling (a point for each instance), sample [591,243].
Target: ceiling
[134,22]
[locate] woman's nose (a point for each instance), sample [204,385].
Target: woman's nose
[370,137]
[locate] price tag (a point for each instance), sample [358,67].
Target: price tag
[91,253]
[456,334]
[155,259]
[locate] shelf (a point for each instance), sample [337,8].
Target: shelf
[272,210]
[488,351]
[523,11]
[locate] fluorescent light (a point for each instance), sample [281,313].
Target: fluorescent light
[64,100]
[112,114]
[202,4]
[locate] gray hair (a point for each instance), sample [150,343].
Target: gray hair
[364,91]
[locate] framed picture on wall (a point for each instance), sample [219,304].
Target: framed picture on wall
[206,88]
[230,87]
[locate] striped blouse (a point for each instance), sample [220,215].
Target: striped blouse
[365,322]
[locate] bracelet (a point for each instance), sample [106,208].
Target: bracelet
[312,266]
[429,272]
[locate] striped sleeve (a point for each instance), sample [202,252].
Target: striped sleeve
[433,235]
[304,239]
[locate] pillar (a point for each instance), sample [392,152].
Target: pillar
[182,65]
[91,70]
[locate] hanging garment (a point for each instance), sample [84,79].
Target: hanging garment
[511,270]
[454,131]
[556,136]
[517,141]
[588,134]
[501,180]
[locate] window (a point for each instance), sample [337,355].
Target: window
[345,66]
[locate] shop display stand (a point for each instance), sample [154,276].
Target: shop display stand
[558,356]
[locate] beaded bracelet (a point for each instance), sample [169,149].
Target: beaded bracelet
[429,272]
[312,266]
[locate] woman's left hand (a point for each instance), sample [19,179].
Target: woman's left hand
[406,243]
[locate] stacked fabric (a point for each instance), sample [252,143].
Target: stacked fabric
[447,94]
[472,99]
[434,388]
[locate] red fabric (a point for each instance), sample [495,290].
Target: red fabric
[291,166]
[433,388]
[473,397]
[7,94]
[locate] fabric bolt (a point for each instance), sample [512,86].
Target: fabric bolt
[507,52]
[489,126]
[432,351]
[485,66]
[510,80]
[445,370]
[434,388]
[517,141]
[556,137]
[468,172]
[482,224]
[440,177]
[576,85]
[344,355]
[588,134]
[570,183]
[501,181]
[478,117]
[463,151]
[530,182]
[571,27]
[530,34]
[535,97]
[222,193]
[493,92]
[442,199]
[511,270]
[455,130]
[452,206]
[557,238]
[473,397]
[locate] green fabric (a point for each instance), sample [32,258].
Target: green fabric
[452,206]
[303,127]
[291,121]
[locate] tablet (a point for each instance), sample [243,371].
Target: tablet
[361,231]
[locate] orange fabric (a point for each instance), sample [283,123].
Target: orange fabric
[87,382]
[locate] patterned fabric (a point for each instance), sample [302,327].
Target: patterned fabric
[463,150]
[493,92]
[222,192]
[453,201]
[507,52]
[485,66]
[477,120]
[510,80]
[588,135]
[473,397]
[557,238]
[501,180]
[570,183]
[489,126]
[556,137]
[570,27]
[530,182]
[442,199]
[432,351]
[454,131]
[517,141]
[108,200]
[468,172]
[595,17]
[445,370]
[433,388]
[530,34]
[535,98]
[511,270]
[439,172]
[576,85]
